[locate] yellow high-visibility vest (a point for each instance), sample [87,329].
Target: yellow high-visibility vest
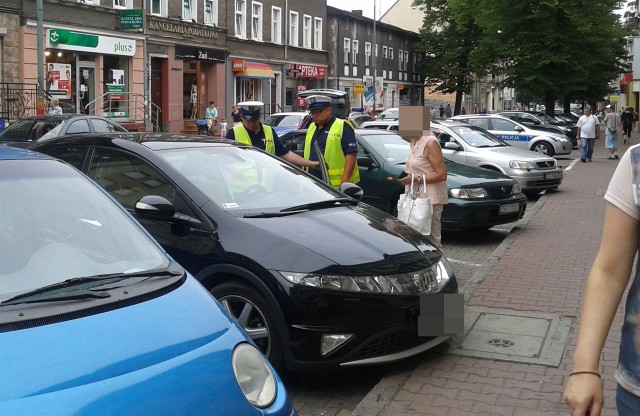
[333,154]
[242,136]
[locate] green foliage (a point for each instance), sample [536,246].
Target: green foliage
[549,49]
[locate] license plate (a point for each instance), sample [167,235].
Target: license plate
[553,175]
[509,208]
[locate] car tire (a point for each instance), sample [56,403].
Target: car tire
[249,309]
[544,148]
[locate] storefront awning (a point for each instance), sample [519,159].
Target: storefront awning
[256,70]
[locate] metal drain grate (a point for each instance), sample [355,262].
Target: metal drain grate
[504,343]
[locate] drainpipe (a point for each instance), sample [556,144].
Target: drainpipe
[40,52]
[338,47]
[286,28]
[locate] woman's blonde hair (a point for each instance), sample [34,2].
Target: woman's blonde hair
[54,102]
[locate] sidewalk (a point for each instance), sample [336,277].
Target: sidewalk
[541,266]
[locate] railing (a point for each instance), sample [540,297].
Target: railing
[138,109]
[17,100]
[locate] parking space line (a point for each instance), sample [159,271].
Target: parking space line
[466,263]
[572,164]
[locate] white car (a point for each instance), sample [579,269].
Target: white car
[520,135]
[381,125]
[471,145]
[390,114]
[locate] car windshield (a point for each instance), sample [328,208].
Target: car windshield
[546,119]
[391,147]
[28,130]
[284,121]
[389,114]
[244,180]
[477,137]
[55,225]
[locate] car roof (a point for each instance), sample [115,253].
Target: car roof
[290,113]
[323,91]
[11,153]
[52,117]
[452,123]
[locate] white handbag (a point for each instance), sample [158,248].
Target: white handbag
[414,211]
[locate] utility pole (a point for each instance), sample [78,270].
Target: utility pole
[40,53]
[375,52]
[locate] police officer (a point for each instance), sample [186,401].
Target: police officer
[336,140]
[253,132]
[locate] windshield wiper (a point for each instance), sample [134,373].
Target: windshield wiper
[90,281]
[322,204]
[272,214]
[58,297]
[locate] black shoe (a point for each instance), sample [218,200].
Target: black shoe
[583,160]
[588,160]
[616,157]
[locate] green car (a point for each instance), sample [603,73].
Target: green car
[478,198]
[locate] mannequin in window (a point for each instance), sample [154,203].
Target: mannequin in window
[194,101]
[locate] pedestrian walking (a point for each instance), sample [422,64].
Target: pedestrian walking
[336,141]
[236,115]
[627,123]
[224,127]
[441,111]
[211,115]
[447,111]
[588,129]
[606,284]
[463,111]
[611,123]
[252,131]
[426,159]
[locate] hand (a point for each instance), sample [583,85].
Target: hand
[583,395]
[314,164]
[406,180]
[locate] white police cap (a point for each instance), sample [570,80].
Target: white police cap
[318,101]
[250,107]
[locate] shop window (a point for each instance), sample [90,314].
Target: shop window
[306,31]
[116,80]
[276,25]
[248,89]
[241,10]
[293,28]
[211,12]
[317,33]
[159,8]
[256,21]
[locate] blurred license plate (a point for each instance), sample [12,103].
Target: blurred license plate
[509,208]
[553,175]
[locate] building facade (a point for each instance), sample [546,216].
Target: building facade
[353,54]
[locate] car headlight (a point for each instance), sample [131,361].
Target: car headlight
[519,164]
[429,280]
[254,375]
[516,188]
[469,193]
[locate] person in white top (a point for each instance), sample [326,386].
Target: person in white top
[588,129]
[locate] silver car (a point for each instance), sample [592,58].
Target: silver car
[520,135]
[471,145]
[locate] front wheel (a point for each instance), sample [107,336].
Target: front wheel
[249,309]
[544,148]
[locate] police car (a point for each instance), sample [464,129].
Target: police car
[520,135]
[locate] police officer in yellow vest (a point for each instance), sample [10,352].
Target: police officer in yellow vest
[336,140]
[253,132]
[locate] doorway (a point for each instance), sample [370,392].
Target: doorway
[86,87]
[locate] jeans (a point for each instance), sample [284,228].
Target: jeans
[586,147]
[627,403]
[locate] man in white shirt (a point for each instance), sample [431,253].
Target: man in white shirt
[588,127]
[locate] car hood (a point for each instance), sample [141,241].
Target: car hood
[517,153]
[117,352]
[464,175]
[314,241]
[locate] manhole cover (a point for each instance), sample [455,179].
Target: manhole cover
[505,343]
[516,336]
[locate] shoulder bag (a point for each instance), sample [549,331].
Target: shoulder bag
[414,211]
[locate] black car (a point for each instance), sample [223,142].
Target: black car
[540,121]
[26,132]
[314,277]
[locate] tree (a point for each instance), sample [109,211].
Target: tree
[447,41]
[553,48]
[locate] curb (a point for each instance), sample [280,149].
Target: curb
[387,388]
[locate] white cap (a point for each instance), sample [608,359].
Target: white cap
[318,101]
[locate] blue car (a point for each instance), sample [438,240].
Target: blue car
[95,318]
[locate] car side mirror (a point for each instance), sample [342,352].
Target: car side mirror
[351,190]
[367,162]
[155,207]
[518,129]
[452,146]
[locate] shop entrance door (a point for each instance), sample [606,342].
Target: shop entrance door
[86,87]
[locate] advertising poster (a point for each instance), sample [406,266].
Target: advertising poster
[58,82]
[115,84]
[369,90]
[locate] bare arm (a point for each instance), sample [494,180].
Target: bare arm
[607,281]
[433,153]
[292,157]
[349,166]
